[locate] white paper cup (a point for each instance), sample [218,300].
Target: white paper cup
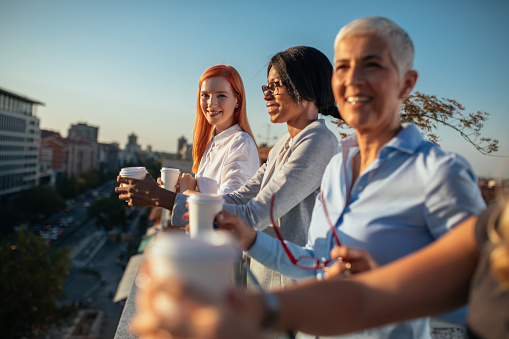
[206,264]
[170,177]
[133,172]
[203,208]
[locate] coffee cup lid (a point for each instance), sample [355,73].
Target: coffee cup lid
[171,170]
[133,168]
[133,171]
[205,198]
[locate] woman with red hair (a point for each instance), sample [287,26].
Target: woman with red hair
[224,151]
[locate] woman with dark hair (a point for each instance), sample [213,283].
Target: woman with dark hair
[298,90]
[224,151]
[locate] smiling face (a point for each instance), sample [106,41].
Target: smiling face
[367,86]
[218,102]
[281,107]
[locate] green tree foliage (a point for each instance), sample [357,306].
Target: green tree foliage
[71,186]
[67,186]
[39,202]
[10,216]
[31,283]
[31,205]
[428,112]
[152,165]
[108,212]
[88,180]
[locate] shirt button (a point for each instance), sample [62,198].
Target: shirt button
[360,187]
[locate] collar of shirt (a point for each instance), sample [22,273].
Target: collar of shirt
[289,141]
[216,140]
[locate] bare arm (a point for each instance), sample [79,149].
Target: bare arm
[433,280]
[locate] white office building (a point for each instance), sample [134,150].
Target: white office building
[19,142]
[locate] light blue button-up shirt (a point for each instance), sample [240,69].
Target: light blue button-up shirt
[409,196]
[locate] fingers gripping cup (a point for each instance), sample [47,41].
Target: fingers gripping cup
[170,177]
[206,264]
[203,209]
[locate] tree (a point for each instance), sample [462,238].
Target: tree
[67,186]
[10,215]
[88,180]
[32,275]
[30,205]
[108,212]
[39,202]
[427,112]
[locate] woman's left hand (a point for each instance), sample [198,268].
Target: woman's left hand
[350,261]
[187,182]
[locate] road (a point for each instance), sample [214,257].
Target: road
[97,267]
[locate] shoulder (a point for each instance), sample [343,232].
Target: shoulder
[435,160]
[242,138]
[318,132]
[318,127]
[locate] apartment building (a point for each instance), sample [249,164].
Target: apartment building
[63,155]
[83,131]
[19,142]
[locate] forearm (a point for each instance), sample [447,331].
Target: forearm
[269,251]
[164,198]
[320,308]
[431,281]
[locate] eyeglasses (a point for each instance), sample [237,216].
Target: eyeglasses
[306,262]
[271,88]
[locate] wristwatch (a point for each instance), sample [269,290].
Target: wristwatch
[271,311]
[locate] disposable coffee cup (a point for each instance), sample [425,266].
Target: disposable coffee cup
[134,172]
[206,264]
[170,177]
[203,209]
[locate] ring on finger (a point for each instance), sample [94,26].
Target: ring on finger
[348,269]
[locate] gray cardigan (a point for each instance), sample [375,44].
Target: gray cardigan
[296,182]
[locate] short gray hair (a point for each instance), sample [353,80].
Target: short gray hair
[401,46]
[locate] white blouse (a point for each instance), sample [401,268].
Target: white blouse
[230,159]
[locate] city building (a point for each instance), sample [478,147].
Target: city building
[83,131]
[109,157]
[19,142]
[80,156]
[182,145]
[132,149]
[63,155]
[51,166]
[184,151]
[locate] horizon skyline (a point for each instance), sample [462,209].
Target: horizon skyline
[134,67]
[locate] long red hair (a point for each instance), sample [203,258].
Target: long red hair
[202,131]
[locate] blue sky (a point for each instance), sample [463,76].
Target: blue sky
[133,66]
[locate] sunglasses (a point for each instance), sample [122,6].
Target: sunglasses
[306,262]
